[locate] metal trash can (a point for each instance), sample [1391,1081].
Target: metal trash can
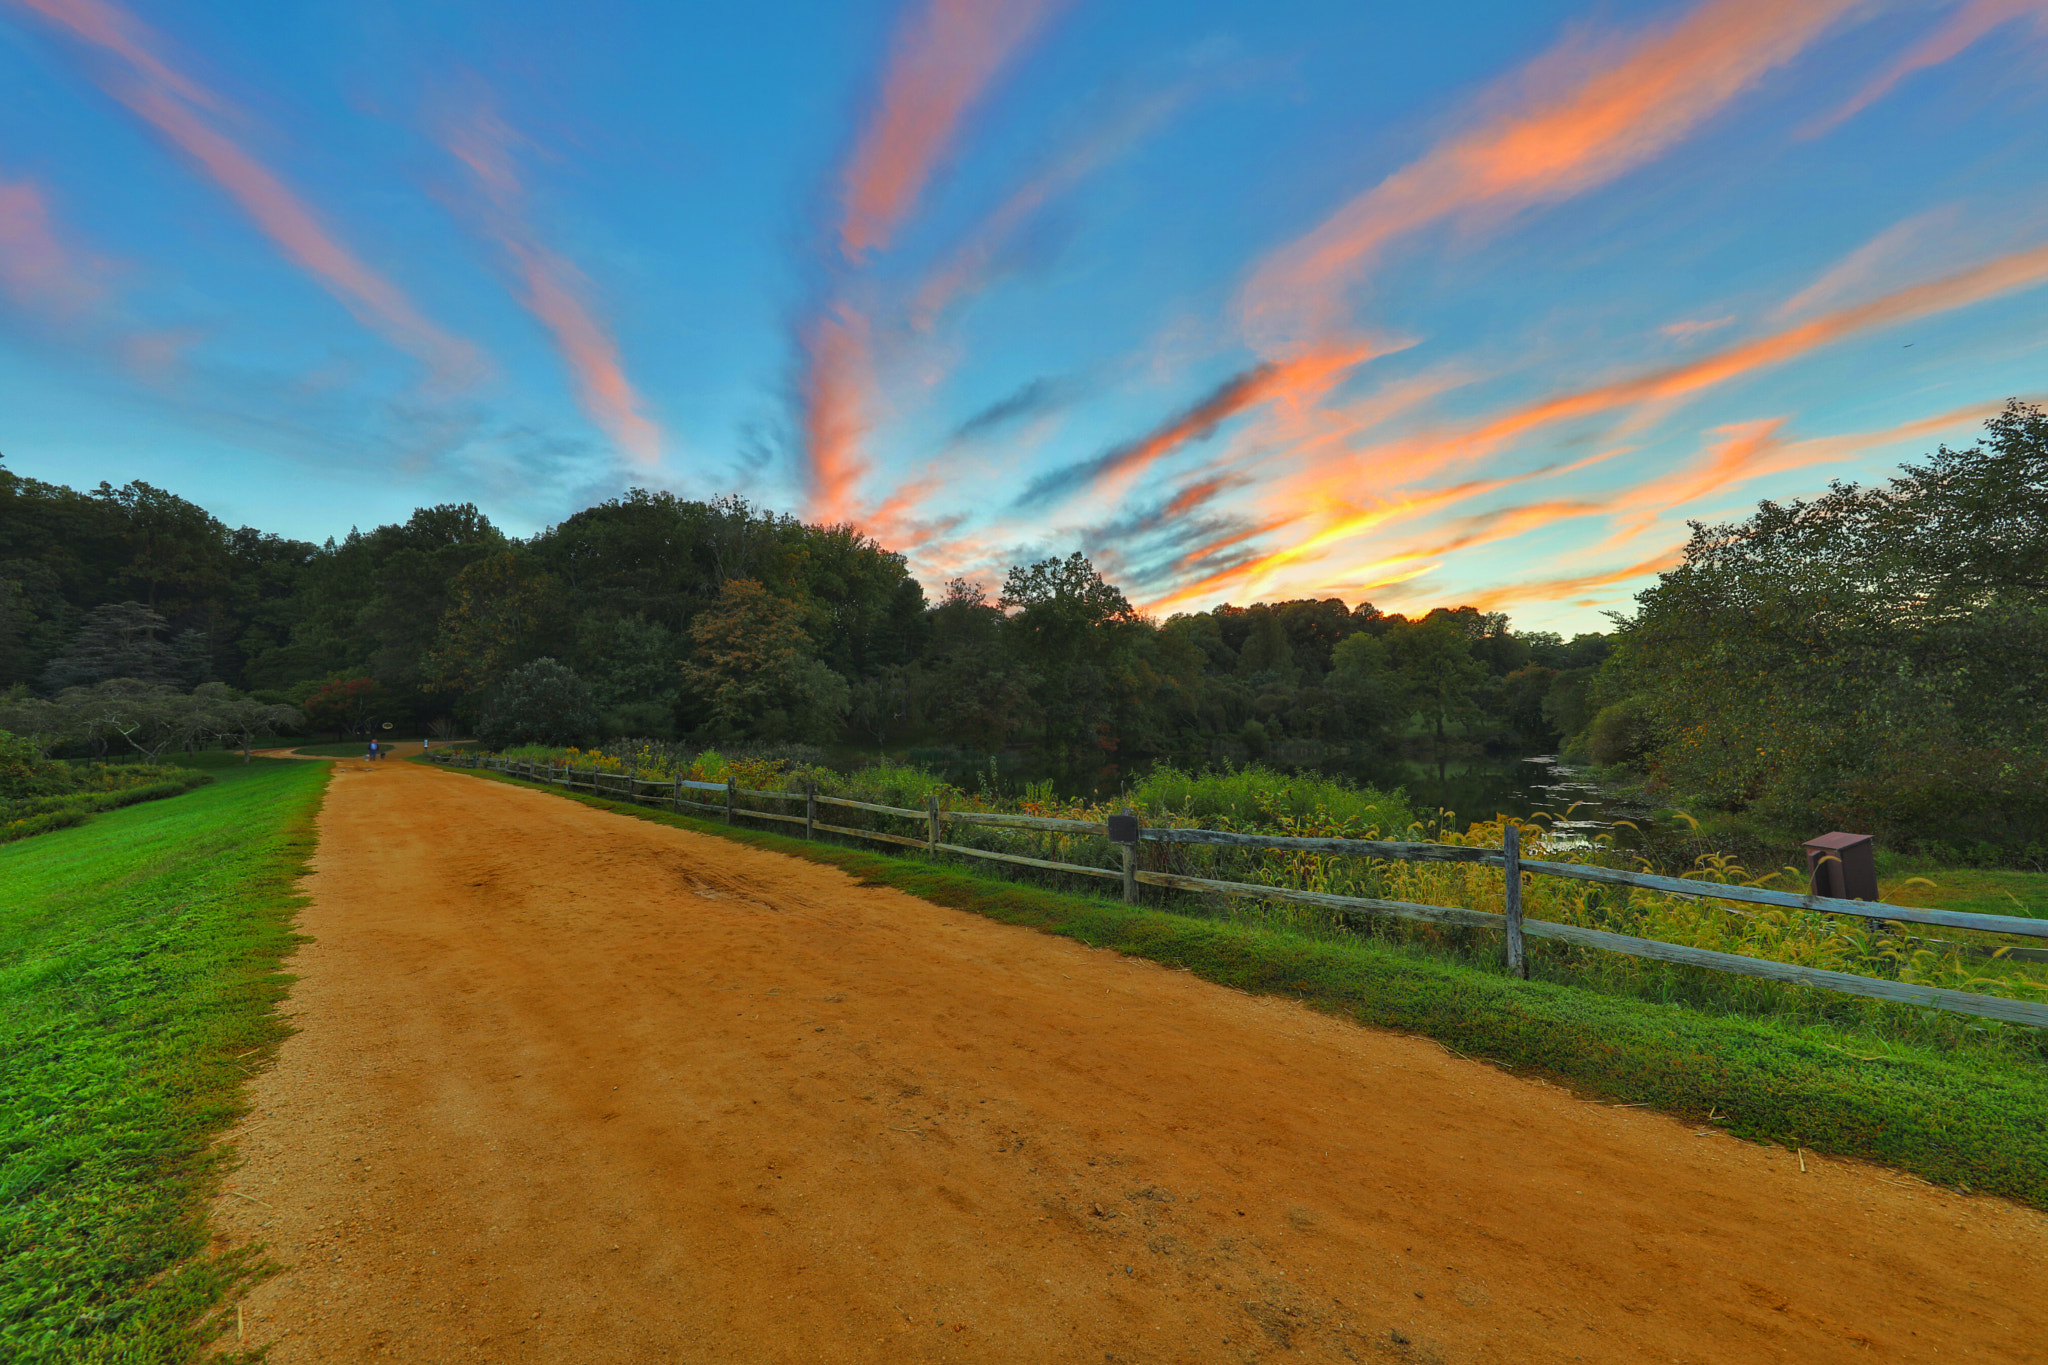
[1843,866]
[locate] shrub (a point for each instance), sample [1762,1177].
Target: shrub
[542,703]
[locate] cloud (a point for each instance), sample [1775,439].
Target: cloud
[2000,275]
[838,375]
[1041,395]
[1876,262]
[1691,327]
[1962,31]
[38,270]
[944,58]
[551,287]
[1556,589]
[173,103]
[977,260]
[1301,380]
[1589,115]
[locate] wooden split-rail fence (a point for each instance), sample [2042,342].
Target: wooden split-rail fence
[1127,832]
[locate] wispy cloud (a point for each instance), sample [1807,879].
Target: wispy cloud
[1301,380]
[550,286]
[1874,264]
[1589,114]
[39,270]
[971,266]
[945,56]
[1961,31]
[1688,328]
[176,105]
[835,388]
[1040,396]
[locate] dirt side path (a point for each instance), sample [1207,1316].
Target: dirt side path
[575,1087]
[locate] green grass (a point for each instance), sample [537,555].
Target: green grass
[138,983]
[1977,890]
[1975,1120]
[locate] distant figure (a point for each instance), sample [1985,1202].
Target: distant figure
[374,753]
[426,746]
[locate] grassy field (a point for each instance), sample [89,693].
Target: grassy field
[138,978]
[1970,1114]
[1977,890]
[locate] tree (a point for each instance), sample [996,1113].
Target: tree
[146,717]
[541,703]
[753,665]
[118,640]
[1369,697]
[1433,659]
[234,717]
[346,706]
[496,612]
[1868,660]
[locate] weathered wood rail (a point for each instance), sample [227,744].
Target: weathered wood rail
[1350,908]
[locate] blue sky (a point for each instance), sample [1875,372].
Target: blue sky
[1412,304]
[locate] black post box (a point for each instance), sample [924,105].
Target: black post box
[1843,866]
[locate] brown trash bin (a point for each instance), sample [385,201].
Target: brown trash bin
[1843,866]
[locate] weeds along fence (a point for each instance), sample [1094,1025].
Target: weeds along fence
[1127,836]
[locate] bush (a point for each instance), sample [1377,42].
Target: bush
[542,703]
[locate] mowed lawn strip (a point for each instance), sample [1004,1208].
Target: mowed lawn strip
[1974,1122]
[139,979]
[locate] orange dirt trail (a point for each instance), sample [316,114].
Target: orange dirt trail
[574,1087]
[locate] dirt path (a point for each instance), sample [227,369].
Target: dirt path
[572,1087]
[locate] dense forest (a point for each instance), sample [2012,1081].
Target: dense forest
[1871,659]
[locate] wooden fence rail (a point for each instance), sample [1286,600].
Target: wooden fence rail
[1358,908]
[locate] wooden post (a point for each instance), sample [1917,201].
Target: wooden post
[676,801]
[810,810]
[1130,852]
[732,790]
[931,826]
[1511,851]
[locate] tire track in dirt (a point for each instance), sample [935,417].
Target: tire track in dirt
[570,1086]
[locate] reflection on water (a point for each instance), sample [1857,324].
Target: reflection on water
[1481,788]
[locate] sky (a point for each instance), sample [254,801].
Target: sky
[1468,303]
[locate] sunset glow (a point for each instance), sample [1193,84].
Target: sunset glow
[1245,302]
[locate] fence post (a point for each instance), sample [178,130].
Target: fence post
[810,810]
[1129,828]
[732,790]
[931,826]
[675,801]
[1511,853]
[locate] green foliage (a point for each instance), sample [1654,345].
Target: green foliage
[1260,798]
[138,969]
[753,663]
[1870,660]
[542,703]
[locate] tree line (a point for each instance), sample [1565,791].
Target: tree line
[1871,659]
[655,616]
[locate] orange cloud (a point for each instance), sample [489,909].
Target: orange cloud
[838,376]
[1556,589]
[1692,327]
[2000,275]
[37,270]
[943,60]
[1590,118]
[1962,30]
[553,289]
[167,99]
